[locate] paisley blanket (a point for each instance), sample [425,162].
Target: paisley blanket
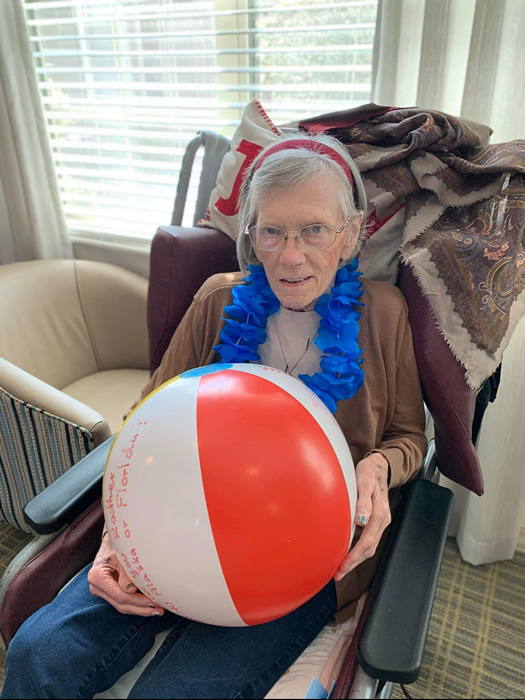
[453,208]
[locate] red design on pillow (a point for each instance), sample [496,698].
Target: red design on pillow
[373,224]
[228,207]
[265,116]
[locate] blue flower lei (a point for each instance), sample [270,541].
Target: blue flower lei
[254,302]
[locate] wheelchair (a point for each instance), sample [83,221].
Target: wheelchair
[387,647]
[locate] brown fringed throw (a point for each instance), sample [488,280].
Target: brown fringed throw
[458,208]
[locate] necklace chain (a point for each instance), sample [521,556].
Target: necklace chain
[309,342]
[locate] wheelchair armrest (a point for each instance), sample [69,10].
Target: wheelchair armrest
[67,497]
[395,630]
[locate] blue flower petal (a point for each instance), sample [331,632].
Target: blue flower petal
[337,364]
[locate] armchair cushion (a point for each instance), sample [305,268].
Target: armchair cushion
[44,305]
[110,392]
[114,302]
[72,318]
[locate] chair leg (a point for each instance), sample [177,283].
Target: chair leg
[363,686]
[386,691]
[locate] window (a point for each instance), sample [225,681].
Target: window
[126,84]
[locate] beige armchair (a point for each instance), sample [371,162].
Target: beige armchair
[73,359]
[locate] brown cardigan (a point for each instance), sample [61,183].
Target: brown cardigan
[385,415]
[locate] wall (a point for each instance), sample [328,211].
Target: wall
[133,256]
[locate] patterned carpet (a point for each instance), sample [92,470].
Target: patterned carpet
[476,642]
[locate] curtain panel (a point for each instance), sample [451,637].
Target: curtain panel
[32,224]
[466,58]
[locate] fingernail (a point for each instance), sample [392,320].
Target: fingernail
[130,585]
[151,605]
[156,614]
[362,519]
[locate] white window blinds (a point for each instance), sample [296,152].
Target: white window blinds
[126,84]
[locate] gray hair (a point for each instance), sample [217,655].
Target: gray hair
[282,171]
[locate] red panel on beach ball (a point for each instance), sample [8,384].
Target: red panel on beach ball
[275,493]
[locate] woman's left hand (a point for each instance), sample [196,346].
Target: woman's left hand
[372,510]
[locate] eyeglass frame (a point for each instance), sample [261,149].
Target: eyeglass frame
[296,235]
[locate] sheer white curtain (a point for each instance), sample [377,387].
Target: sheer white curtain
[466,58]
[32,224]
[488,528]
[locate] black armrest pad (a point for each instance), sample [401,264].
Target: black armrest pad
[67,497]
[394,634]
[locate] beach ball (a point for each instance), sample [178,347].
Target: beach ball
[229,494]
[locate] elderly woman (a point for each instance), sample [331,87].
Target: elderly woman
[300,308]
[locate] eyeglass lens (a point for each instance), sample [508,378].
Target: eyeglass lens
[314,236]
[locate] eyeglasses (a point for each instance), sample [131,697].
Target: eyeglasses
[311,237]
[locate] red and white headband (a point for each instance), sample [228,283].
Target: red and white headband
[310,145]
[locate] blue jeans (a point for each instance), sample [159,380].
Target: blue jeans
[79,645]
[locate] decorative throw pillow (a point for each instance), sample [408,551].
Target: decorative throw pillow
[255,131]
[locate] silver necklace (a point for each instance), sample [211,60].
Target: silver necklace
[309,342]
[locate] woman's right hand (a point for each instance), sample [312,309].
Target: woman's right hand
[108,580]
